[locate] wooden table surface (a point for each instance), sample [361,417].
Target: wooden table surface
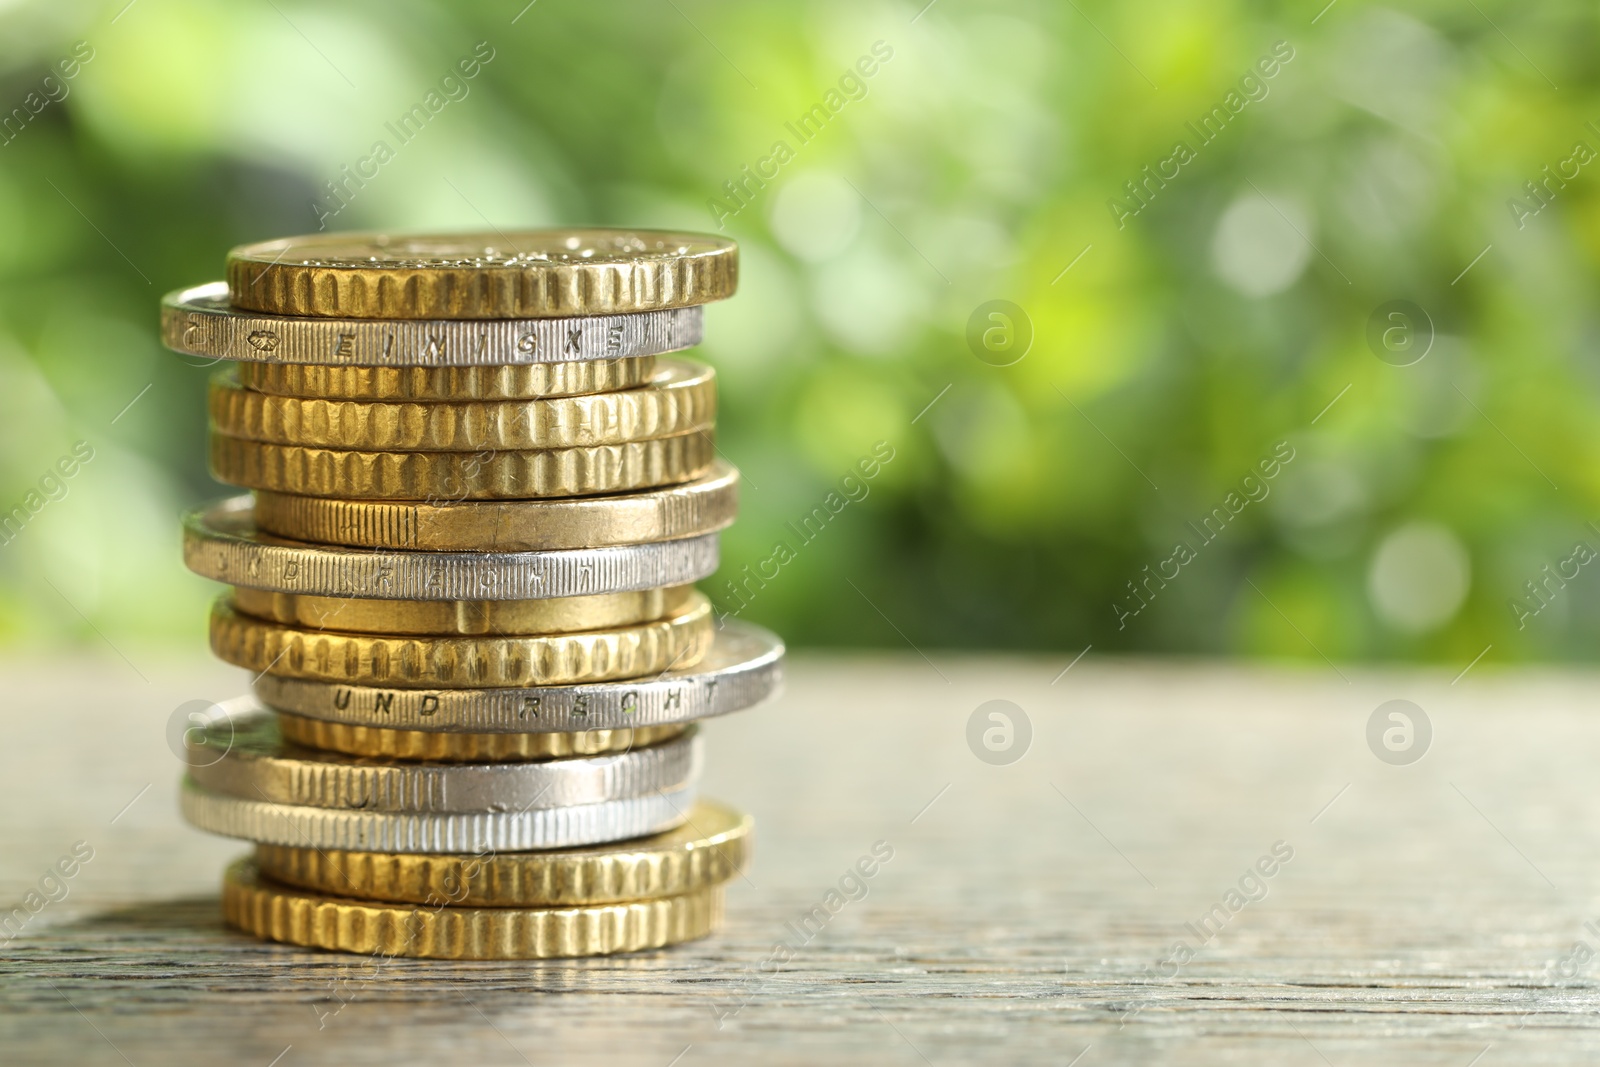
[1446,912]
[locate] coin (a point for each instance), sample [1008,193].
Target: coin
[463,748]
[692,509]
[709,849]
[743,668]
[466,617]
[484,489]
[377,831]
[258,765]
[260,907]
[526,381]
[202,322]
[446,477]
[526,273]
[467,662]
[680,397]
[221,542]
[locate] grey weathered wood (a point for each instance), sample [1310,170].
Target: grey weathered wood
[1414,925]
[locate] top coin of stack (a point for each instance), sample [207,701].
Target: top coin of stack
[482,490]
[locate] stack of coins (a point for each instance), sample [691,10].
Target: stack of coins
[482,492]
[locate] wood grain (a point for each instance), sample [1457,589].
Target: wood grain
[1428,914]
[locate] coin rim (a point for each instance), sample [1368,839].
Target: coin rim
[718,489]
[536,829]
[235,636]
[666,598]
[272,912]
[303,731]
[752,681]
[681,396]
[374,290]
[710,848]
[412,475]
[221,542]
[617,380]
[240,321]
[273,771]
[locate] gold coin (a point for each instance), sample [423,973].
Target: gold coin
[261,907]
[437,747]
[682,396]
[523,274]
[603,611]
[678,640]
[702,506]
[708,850]
[446,477]
[522,381]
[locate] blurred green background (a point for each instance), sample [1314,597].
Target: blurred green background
[1177,339]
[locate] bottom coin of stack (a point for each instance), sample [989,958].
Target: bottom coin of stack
[599,844]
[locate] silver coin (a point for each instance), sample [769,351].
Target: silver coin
[368,831]
[743,669]
[201,322]
[221,542]
[258,765]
